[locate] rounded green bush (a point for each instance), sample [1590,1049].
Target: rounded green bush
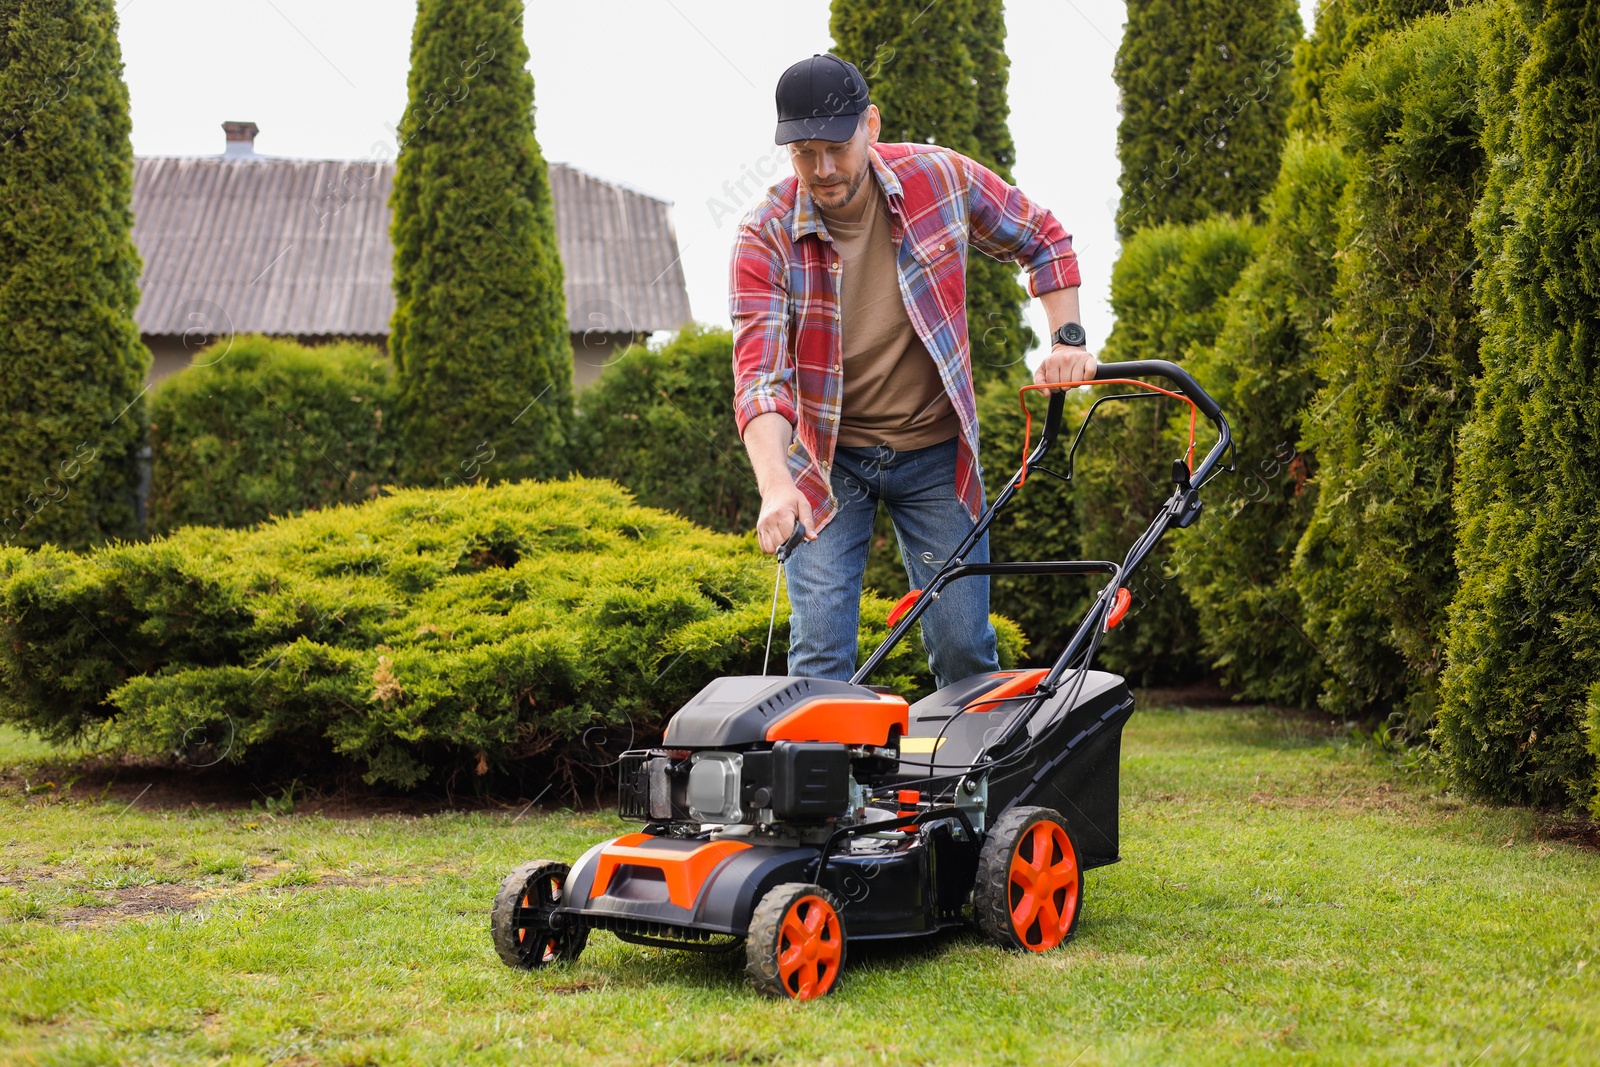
[660,421]
[262,427]
[424,632]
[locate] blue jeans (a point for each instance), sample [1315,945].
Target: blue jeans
[824,576]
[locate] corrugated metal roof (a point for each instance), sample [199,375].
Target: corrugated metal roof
[301,247]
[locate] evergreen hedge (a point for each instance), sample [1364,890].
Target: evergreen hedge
[425,633]
[482,356]
[1521,714]
[1375,566]
[1343,28]
[1235,568]
[660,421]
[1167,290]
[1317,58]
[268,427]
[72,368]
[1203,92]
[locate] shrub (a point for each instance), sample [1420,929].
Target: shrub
[480,343]
[422,633]
[1524,638]
[1591,726]
[1375,566]
[660,421]
[269,427]
[72,376]
[1167,290]
[1203,95]
[1235,569]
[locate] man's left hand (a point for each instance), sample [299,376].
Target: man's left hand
[1065,364]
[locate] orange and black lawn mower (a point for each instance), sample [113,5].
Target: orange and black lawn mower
[798,816]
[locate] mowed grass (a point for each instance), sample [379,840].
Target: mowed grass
[1284,897]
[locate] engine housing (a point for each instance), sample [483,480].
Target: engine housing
[788,781]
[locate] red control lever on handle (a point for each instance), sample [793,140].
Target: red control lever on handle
[902,606]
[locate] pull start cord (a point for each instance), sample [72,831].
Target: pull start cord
[785,550]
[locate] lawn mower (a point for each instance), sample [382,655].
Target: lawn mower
[796,816]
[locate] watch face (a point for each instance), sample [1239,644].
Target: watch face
[1071,334]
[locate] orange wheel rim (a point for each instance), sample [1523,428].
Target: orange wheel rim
[810,947]
[1044,886]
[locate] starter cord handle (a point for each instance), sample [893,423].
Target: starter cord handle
[786,549]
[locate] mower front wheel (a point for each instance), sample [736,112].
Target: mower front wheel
[525,933]
[796,944]
[1029,890]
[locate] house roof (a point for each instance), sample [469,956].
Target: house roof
[301,247]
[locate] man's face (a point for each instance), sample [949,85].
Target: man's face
[834,171]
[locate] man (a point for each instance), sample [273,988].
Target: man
[852,365]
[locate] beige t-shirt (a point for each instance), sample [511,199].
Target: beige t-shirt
[892,391]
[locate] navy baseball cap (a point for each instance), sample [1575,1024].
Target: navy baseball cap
[820,99]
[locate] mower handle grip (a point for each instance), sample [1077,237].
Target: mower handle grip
[1139,368]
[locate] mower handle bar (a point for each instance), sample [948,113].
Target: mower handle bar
[1138,368]
[957,567]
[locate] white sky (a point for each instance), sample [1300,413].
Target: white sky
[673,97]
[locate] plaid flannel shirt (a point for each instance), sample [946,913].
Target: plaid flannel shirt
[784,297]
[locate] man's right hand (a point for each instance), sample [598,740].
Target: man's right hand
[780,510]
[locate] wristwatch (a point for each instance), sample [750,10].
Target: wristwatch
[1071,335]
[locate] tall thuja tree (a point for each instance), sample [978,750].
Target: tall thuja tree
[72,368]
[1235,565]
[480,343]
[1343,28]
[1167,291]
[1204,91]
[1375,566]
[1316,59]
[938,74]
[1524,637]
[1204,86]
[1000,336]
[1237,569]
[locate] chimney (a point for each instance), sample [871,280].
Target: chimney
[241,140]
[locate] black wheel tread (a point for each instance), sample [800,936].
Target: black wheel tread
[502,916]
[991,891]
[761,957]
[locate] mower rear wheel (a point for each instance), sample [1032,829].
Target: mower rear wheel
[1029,890]
[525,934]
[796,944]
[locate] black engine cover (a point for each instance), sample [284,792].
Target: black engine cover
[737,711]
[809,780]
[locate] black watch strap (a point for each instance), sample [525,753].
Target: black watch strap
[1071,334]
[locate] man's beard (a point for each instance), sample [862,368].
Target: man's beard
[855,186]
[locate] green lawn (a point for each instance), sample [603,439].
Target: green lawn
[1283,898]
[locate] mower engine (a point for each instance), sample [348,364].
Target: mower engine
[764,752]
